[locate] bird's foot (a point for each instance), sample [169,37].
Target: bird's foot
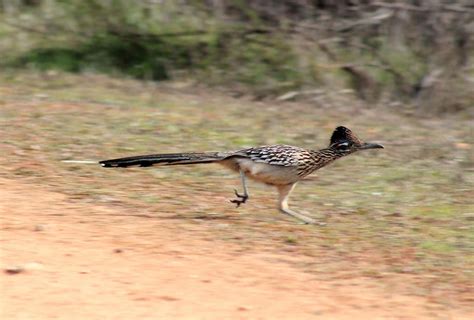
[242,198]
[303,218]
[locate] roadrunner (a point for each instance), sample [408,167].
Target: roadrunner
[281,166]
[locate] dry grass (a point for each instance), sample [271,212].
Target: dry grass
[406,210]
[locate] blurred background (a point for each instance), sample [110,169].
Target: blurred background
[416,53]
[101,79]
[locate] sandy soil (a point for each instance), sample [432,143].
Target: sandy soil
[83,261]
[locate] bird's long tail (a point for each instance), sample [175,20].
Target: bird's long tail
[163,159]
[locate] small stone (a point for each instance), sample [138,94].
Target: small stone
[168,298]
[14,270]
[33,266]
[35,147]
[39,227]
[469,216]
[41,96]
[394,214]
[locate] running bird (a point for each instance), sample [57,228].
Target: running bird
[281,166]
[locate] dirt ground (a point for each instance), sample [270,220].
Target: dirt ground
[79,261]
[82,242]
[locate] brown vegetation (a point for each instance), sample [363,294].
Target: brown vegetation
[415,53]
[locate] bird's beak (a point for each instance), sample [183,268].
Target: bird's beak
[368,145]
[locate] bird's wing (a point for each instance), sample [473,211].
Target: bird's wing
[279,155]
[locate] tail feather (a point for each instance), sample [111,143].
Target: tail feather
[163,159]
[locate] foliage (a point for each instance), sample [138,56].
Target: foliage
[406,51]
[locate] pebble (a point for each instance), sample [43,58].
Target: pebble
[14,270]
[243,308]
[469,216]
[394,214]
[39,227]
[30,266]
[33,266]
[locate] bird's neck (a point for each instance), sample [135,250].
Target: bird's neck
[325,156]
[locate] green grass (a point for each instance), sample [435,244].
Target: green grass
[404,209]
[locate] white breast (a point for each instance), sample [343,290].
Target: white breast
[267,173]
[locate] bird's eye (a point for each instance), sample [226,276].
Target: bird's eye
[343,146]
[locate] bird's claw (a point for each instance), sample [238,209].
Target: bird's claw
[242,198]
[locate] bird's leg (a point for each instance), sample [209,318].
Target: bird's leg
[283,194]
[242,198]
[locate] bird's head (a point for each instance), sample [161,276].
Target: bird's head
[344,142]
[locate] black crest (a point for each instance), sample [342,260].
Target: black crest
[342,134]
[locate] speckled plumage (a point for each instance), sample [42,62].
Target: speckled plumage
[304,161]
[279,165]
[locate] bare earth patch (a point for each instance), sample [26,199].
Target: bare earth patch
[82,242]
[86,262]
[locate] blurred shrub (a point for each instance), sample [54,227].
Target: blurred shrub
[406,51]
[110,53]
[150,40]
